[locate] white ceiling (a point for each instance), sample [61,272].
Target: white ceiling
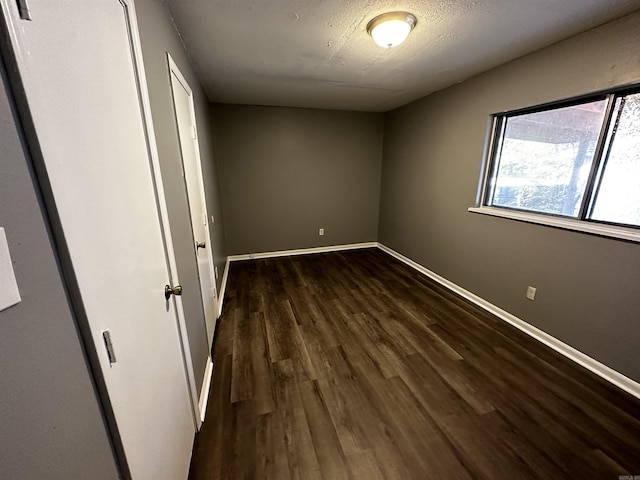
[317,54]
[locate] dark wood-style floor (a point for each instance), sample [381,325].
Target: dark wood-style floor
[351,365]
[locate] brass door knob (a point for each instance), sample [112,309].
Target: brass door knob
[168,291]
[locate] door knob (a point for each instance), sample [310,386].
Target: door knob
[168,291]
[201,245]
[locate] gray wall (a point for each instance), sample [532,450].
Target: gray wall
[287,172]
[50,421]
[587,285]
[158,36]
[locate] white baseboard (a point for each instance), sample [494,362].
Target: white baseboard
[303,251]
[607,373]
[204,391]
[223,287]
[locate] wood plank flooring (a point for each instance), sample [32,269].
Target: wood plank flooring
[350,365]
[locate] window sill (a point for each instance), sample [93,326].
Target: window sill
[611,231]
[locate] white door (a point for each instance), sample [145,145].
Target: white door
[79,63]
[186,121]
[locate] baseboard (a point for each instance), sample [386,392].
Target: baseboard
[616,378]
[204,391]
[223,287]
[302,251]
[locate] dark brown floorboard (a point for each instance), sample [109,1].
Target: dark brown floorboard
[350,365]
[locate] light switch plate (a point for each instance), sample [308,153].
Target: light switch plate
[9,294]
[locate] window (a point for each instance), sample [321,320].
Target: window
[578,160]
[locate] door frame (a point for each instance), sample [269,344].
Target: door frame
[14,62]
[174,72]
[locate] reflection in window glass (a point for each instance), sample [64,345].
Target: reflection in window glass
[544,159]
[618,198]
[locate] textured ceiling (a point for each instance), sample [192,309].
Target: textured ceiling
[317,54]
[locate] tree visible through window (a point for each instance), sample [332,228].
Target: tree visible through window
[618,196]
[580,160]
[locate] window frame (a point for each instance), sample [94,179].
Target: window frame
[582,222]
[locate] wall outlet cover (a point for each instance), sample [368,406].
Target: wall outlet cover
[531,293]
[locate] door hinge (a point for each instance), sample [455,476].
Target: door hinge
[194,132]
[24,10]
[106,336]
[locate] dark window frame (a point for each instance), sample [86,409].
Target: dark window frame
[493,149]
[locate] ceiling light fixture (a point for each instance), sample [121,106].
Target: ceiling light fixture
[391,29]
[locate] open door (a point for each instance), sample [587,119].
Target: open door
[88,123]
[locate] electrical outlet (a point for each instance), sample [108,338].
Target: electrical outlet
[531,293]
[321,232]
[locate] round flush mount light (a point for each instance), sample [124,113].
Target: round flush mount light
[391,29]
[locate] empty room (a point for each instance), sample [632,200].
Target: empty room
[319,239]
